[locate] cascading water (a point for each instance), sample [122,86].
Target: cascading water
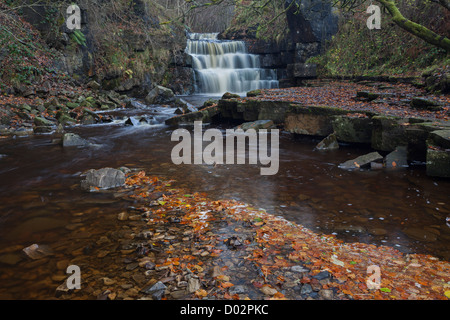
[225,66]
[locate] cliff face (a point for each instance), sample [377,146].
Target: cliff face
[308,26]
[127,48]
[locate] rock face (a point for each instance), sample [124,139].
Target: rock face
[105,178]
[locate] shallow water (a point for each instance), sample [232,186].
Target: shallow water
[40,198]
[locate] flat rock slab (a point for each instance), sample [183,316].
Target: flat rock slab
[361,161]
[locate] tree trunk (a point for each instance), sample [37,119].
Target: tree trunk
[414,28]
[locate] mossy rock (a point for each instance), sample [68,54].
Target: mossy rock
[228,96]
[425,104]
[254,93]
[353,130]
[72,105]
[438,162]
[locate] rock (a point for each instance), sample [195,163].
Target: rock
[368,96]
[440,138]
[123,216]
[105,178]
[94,85]
[329,143]
[228,96]
[156,291]
[254,93]
[420,234]
[74,140]
[351,129]
[160,95]
[322,275]
[257,125]
[378,231]
[108,281]
[397,158]
[268,290]
[425,104]
[306,289]
[239,289]
[36,251]
[438,162]
[178,295]
[62,289]
[193,285]
[326,294]
[42,122]
[299,269]
[361,161]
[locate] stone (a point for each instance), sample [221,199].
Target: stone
[178,295]
[156,291]
[94,85]
[326,294]
[257,125]
[108,281]
[420,234]
[73,140]
[193,285]
[268,290]
[440,138]
[397,158]
[228,96]
[299,269]
[438,162]
[352,129]
[10,259]
[378,231]
[37,252]
[105,178]
[368,96]
[123,216]
[329,143]
[42,122]
[322,275]
[239,289]
[306,289]
[361,161]
[425,104]
[160,95]
[305,70]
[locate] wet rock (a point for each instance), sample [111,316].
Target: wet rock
[322,275]
[329,143]
[108,281]
[425,104]
[160,95]
[62,289]
[378,231]
[299,269]
[157,290]
[193,285]
[257,125]
[397,158]
[421,234]
[10,259]
[36,251]
[268,290]
[229,95]
[123,216]
[42,122]
[326,294]
[74,140]
[179,294]
[306,289]
[239,289]
[438,161]
[361,161]
[104,178]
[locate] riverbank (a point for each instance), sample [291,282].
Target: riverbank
[174,245]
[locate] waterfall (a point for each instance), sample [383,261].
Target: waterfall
[225,66]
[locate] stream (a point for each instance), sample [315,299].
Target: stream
[41,200]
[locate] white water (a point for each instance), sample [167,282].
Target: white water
[226,66]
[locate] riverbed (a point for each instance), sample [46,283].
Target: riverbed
[41,200]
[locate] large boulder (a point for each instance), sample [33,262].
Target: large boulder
[329,143]
[160,95]
[105,178]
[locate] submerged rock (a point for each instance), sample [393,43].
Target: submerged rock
[361,161]
[36,251]
[329,143]
[74,140]
[105,178]
[397,158]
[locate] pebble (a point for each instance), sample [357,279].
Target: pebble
[108,281]
[299,269]
[268,290]
[193,285]
[322,275]
[326,294]
[123,216]
[306,289]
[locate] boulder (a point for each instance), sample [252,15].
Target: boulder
[352,129]
[104,178]
[361,161]
[438,162]
[42,122]
[329,143]
[228,96]
[425,104]
[160,95]
[74,140]
[397,158]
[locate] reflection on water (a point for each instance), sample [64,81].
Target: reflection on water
[40,198]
